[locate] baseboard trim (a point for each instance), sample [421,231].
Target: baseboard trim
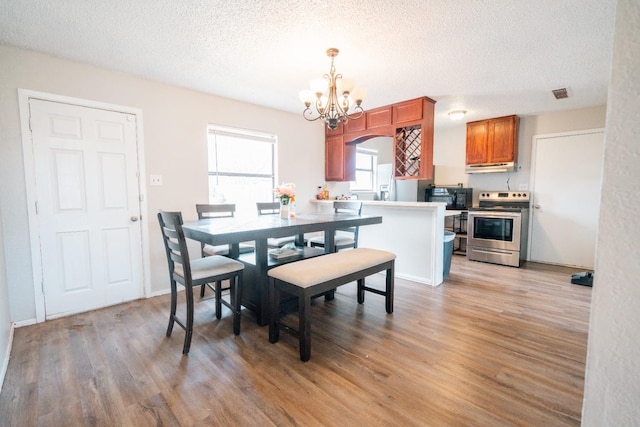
[5,361]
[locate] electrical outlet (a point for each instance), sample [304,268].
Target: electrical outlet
[523,187]
[155,180]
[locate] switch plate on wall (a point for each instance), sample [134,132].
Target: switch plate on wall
[155,179]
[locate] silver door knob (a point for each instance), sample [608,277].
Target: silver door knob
[134,218]
[536,206]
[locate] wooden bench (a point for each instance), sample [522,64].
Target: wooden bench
[308,278]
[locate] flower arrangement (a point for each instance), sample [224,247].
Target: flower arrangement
[285,192]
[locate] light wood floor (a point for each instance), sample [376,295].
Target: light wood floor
[491,346]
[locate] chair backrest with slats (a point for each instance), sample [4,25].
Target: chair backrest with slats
[268,208]
[352,208]
[217,210]
[175,243]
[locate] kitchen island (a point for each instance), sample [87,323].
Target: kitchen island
[414,231]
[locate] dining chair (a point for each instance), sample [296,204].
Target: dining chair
[220,210]
[346,237]
[190,273]
[273,208]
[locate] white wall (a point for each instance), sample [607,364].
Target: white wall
[175,122]
[612,383]
[5,321]
[450,144]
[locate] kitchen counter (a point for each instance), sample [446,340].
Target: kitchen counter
[414,231]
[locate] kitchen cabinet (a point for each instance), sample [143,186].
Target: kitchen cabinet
[410,123]
[492,141]
[339,159]
[413,139]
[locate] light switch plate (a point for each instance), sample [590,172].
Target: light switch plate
[155,180]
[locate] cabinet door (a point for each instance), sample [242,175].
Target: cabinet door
[408,111]
[503,136]
[478,142]
[356,125]
[380,117]
[340,159]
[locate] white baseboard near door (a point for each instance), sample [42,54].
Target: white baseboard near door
[5,359]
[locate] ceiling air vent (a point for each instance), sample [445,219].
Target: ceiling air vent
[560,93]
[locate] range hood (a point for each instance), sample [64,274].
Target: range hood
[491,167]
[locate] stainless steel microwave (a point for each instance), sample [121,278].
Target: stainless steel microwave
[456,198]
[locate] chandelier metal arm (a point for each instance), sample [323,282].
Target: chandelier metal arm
[335,107]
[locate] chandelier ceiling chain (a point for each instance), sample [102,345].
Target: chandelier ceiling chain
[332,98]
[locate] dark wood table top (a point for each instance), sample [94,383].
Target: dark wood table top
[220,231]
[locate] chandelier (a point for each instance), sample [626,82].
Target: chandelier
[332,97]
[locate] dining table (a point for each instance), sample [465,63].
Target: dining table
[258,229]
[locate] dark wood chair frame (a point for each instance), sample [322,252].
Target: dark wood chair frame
[270,208]
[217,210]
[347,207]
[176,250]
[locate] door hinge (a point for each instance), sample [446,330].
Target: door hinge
[42,286]
[36,208]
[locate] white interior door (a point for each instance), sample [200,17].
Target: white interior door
[566,187]
[88,206]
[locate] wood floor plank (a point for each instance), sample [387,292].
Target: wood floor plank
[492,345]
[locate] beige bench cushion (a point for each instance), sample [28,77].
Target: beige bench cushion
[320,269]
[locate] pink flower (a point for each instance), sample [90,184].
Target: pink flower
[284,192]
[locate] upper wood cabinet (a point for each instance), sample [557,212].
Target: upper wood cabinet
[492,140]
[380,117]
[340,158]
[410,123]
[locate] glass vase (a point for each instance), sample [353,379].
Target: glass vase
[284,210]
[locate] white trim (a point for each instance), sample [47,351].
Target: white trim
[29,169]
[532,168]
[7,355]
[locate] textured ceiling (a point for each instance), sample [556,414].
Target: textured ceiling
[490,57]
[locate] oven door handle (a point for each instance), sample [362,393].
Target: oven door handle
[489,214]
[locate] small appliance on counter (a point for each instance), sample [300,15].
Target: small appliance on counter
[456,198]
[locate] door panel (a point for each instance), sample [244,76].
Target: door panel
[87,191]
[566,198]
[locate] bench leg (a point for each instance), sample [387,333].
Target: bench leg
[389,289]
[304,326]
[274,309]
[330,295]
[360,291]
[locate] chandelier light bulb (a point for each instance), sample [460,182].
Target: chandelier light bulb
[336,99]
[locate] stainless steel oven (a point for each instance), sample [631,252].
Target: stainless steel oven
[497,230]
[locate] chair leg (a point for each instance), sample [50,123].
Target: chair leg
[202,288]
[304,328]
[218,299]
[274,299]
[236,297]
[172,312]
[360,291]
[189,325]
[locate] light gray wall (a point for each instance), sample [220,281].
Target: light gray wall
[175,122]
[5,321]
[450,145]
[612,383]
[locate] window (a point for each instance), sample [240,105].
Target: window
[242,167]
[366,163]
